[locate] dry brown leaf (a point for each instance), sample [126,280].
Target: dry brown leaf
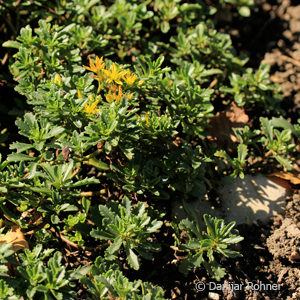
[16,238]
[65,153]
[291,177]
[223,123]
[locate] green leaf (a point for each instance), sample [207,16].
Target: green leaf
[132,258]
[285,162]
[211,72]
[107,213]
[53,132]
[97,164]
[19,157]
[282,123]
[11,44]
[210,227]
[215,270]
[101,235]
[155,225]
[86,204]
[197,259]
[190,7]
[233,240]
[244,11]
[54,219]
[165,26]
[27,125]
[20,146]
[230,253]
[67,170]
[226,230]
[3,189]
[185,267]
[42,288]
[267,128]
[79,272]
[115,246]
[242,152]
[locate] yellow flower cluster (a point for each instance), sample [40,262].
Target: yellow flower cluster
[110,80]
[91,107]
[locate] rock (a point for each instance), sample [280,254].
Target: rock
[243,200]
[251,199]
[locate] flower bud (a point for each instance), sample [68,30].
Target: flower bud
[57,80]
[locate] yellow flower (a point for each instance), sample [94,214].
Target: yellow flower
[110,97]
[79,93]
[120,94]
[96,68]
[147,119]
[140,82]
[129,96]
[129,78]
[113,88]
[91,108]
[114,74]
[57,80]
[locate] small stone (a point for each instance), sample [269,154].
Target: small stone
[281,44]
[295,26]
[281,274]
[287,88]
[267,6]
[277,221]
[294,256]
[288,34]
[213,296]
[294,12]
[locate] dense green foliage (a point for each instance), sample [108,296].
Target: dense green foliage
[121,97]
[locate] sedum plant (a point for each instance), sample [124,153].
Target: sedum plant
[36,279]
[107,281]
[127,227]
[278,143]
[203,248]
[7,292]
[254,88]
